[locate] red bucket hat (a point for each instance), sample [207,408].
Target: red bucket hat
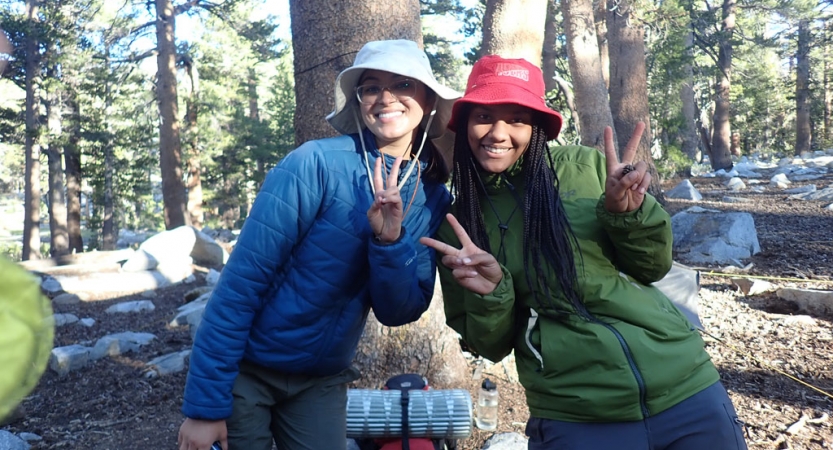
[495,80]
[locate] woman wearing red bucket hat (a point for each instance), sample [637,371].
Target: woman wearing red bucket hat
[551,252]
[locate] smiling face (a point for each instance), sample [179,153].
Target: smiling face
[392,120]
[499,134]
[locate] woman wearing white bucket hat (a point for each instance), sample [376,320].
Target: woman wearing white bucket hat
[332,234]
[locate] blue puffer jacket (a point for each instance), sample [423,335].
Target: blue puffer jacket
[306,270]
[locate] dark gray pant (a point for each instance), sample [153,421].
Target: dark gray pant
[706,420]
[297,411]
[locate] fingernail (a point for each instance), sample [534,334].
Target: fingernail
[641,190]
[466,260]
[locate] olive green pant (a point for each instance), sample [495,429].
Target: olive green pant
[299,412]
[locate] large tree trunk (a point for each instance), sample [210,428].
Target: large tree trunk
[326,35]
[803,132]
[254,116]
[108,224]
[72,168]
[512,35]
[586,69]
[552,79]
[600,19]
[549,51]
[194,182]
[703,127]
[427,347]
[32,191]
[170,149]
[722,132]
[826,85]
[629,84]
[688,99]
[58,236]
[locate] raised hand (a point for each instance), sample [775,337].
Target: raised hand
[626,182]
[385,214]
[473,268]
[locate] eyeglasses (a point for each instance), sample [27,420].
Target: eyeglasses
[369,94]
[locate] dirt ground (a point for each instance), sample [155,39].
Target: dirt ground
[109,405]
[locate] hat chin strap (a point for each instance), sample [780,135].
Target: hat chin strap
[414,160]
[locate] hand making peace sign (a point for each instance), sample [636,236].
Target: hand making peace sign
[385,214]
[473,268]
[626,182]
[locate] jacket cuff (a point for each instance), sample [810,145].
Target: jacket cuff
[504,289]
[624,220]
[375,239]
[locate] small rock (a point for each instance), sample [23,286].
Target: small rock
[66,299]
[130,307]
[752,287]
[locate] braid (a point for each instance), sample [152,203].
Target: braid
[466,190]
[547,233]
[548,239]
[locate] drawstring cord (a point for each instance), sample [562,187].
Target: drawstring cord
[503,226]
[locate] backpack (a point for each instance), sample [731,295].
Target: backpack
[404,383]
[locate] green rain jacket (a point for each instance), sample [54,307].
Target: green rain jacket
[26,332]
[626,352]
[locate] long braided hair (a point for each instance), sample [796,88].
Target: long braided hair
[548,239]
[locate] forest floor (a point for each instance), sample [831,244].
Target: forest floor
[109,405]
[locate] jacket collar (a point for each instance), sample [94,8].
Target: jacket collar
[495,182]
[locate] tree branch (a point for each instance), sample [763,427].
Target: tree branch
[704,45]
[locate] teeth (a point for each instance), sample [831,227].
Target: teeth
[496,150]
[390,114]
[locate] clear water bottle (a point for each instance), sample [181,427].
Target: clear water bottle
[486,418]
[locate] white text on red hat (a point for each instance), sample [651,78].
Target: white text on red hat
[512,70]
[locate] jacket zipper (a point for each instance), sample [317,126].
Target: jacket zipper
[640,382]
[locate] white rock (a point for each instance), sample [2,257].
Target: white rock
[131,307]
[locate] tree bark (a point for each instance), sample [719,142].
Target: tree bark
[32,190]
[427,347]
[600,20]
[108,224]
[170,148]
[549,51]
[254,116]
[72,168]
[326,36]
[688,99]
[828,95]
[722,132]
[194,181]
[585,67]
[703,130]
[58,236]
[803,133]
[512,35]
[629,84]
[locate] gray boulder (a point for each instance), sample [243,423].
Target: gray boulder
[712,237]
[685,191]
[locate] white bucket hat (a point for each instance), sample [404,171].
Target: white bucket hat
[401,57]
